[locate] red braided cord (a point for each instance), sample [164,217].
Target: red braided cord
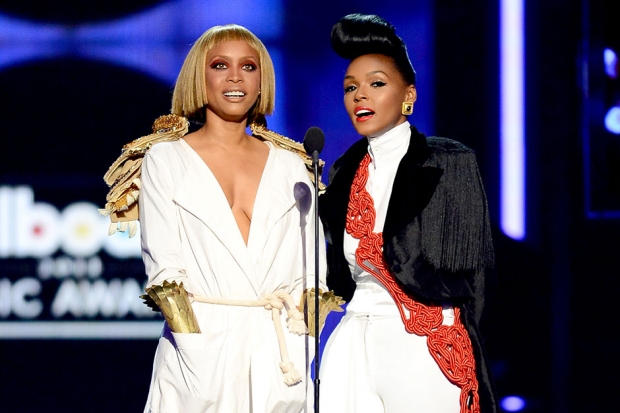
[450,346]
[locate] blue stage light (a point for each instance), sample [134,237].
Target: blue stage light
[612,120]
[513,403]
[611,63]
[512,118]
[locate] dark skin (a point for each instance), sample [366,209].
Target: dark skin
[235,158]
[373,93]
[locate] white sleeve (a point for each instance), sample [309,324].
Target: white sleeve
[159,224]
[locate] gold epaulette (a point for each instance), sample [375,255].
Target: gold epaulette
[283,142]
[123,177]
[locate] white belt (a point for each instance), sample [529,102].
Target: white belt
[275,302]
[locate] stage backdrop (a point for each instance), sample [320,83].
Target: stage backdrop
[78,85]
[80,80]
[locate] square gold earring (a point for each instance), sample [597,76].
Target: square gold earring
[407,108]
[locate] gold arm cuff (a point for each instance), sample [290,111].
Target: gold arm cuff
[173,302]
[328,302]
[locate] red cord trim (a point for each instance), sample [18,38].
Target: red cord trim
[450,346]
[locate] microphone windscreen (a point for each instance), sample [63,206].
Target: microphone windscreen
[314,140]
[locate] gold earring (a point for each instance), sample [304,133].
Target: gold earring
[407,108]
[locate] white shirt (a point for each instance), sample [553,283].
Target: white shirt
[386,151]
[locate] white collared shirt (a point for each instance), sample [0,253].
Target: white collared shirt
[386,151]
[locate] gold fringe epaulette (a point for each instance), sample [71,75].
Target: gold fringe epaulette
[283,142]
[123,177]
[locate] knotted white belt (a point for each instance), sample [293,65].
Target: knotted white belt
[275,302]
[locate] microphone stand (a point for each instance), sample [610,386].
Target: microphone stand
[317,331]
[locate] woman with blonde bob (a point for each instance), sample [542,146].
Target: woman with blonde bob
[190,93]
[228,216]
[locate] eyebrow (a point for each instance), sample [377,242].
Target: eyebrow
[368,74]
[229,58]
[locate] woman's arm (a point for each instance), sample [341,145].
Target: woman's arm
[159,225]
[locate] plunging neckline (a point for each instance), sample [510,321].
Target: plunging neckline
[257,196]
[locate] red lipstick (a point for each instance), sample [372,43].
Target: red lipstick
[362,113]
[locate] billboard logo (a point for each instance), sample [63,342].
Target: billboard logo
[38,229]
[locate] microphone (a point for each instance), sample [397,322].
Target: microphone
[313,144]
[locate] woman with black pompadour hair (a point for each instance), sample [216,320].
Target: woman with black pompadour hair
[409,246]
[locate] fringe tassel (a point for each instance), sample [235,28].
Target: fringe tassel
[133,228]
[291,374]
[457,233]
[123,226]
[123,176]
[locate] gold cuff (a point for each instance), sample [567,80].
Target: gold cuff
[328,302]
[173,302]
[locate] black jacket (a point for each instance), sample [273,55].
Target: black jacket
[437,237]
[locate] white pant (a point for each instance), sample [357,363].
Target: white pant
[372,365]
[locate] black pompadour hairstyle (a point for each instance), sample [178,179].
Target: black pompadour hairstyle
[356,35]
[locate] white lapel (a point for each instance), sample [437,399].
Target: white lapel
[211,207]
[278,192]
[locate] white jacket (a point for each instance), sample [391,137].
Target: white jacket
[189,234]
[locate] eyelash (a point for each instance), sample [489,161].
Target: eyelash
[375,84]
[250,67]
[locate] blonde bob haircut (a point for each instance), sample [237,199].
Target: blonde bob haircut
[190,91]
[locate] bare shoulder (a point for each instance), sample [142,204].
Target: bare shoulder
[258,146]
[194,140]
